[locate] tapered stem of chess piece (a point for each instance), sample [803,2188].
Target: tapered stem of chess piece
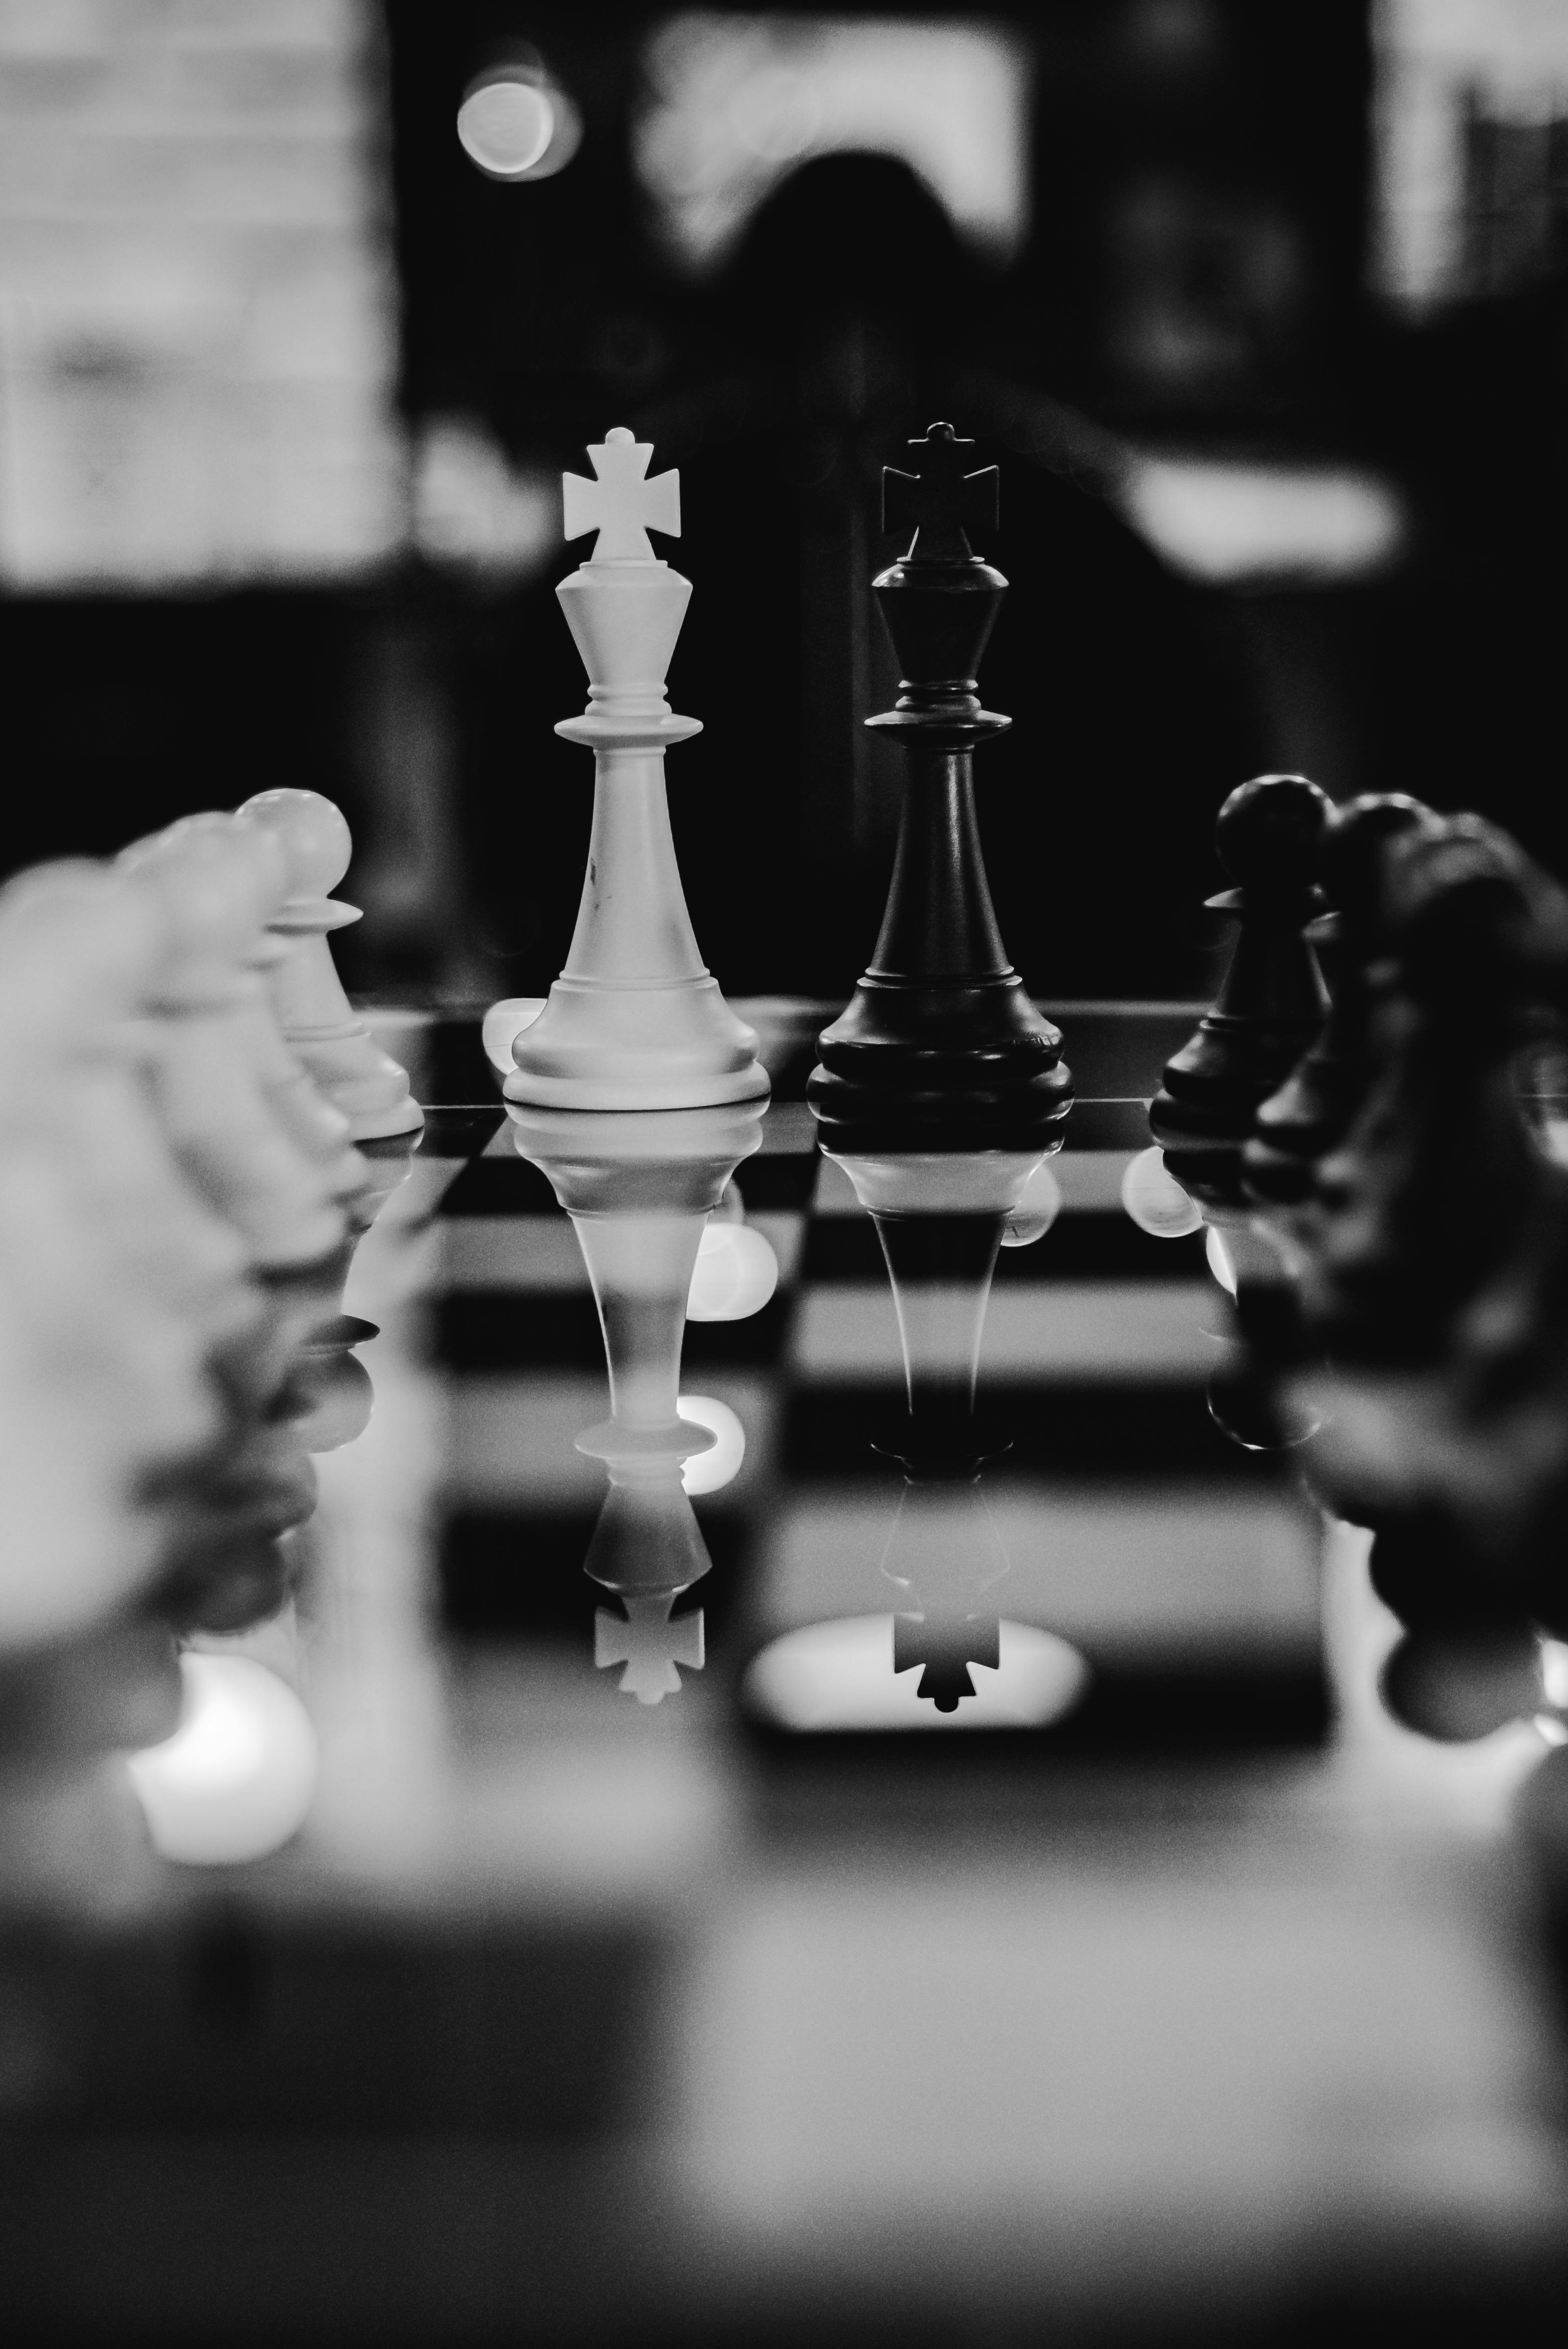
[1272,1002]
[313,1011]
[635,1020]
[940,1216]
[940,1022]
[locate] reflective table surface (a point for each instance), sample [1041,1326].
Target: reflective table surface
[794,1837]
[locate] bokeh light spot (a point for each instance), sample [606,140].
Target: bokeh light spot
[237,1777]
[503,1023]
[840,1675]
[1038,1204]
[735,1275]
[506,126]
[706,1472]
[1155,1200]
[1218,1261]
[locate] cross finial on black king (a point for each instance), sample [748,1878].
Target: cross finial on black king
[939,502]
[941,1036]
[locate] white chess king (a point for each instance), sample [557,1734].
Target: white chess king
[634,1022]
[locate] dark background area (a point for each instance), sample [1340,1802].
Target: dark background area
[1193,279]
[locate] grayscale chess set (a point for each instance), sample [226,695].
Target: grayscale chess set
[664,1660]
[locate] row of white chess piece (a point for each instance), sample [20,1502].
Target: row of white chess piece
[194,1129]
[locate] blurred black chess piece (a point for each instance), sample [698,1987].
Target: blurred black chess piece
[1424,1198]
[1312,1111]
[1270,1011]
[1438,1284]
[940,1026]
[640,1188]
[1273,1003]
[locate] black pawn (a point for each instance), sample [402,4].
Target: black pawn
[940,1023]
[1315,1107]
[1272,1002]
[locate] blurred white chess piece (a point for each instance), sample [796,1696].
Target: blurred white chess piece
[315,1014]
[214,896]
[116,1280]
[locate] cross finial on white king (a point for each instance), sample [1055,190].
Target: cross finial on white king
[650,1643]
[621,503]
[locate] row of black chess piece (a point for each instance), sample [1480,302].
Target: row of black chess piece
[1367,1119]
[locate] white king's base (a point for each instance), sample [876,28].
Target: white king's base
[606,1046]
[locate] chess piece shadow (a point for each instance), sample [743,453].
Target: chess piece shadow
[640,1191]
[940,1027]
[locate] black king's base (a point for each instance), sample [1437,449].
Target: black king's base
[940,1033]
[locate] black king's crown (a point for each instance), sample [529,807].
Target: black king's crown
[940,1038]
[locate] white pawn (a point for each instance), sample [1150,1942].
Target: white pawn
[218,1118]
[321,1131]
[317,1020]
[634,1022]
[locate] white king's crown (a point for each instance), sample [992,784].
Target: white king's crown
[621,502]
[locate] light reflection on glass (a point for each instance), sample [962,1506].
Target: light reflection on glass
[516,123]
[845,1675]
[1155,1200]
[709,1472]
[736,1274]
[236,1779]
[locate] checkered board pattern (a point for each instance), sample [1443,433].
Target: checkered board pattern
[1185,1569]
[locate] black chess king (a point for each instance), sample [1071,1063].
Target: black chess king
[940,1034]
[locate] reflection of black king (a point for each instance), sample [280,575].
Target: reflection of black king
[943,1555]
[941,1216]
[941,1019]
[639,1187]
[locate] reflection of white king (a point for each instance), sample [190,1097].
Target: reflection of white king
[634,1022]
[640,1191]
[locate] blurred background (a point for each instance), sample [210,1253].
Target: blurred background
[305,304]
